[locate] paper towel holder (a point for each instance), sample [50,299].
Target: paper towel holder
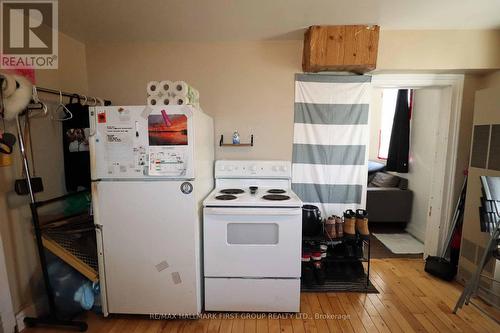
[222,144]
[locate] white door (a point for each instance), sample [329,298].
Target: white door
[252,242]
[150,233]
[423,150]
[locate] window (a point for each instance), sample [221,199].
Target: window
[389,97]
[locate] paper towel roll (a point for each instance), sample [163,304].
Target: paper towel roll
[180,100]
[166,100]
[153,88]
[166,87]
[154,100]
[181,88]
[8,85]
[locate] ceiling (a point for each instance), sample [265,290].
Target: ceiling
[236,20]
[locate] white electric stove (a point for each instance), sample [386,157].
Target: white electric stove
[252,238]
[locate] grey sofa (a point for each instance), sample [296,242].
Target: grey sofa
[389,204]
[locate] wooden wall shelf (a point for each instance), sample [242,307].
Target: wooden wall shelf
[222,144]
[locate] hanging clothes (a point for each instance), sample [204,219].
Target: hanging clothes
[399,146]
[76,147]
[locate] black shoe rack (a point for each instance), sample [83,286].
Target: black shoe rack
[343,272]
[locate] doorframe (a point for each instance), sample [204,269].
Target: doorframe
[7,316]
[442,183]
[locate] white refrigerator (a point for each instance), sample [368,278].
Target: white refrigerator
[151,168]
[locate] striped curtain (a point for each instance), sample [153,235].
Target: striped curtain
[330,142]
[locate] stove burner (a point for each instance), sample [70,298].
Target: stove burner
[276,191]
[226,197]
[232,191]
[275,197]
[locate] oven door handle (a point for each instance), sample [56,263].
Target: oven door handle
[253,211]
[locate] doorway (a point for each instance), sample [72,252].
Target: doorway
[435,120]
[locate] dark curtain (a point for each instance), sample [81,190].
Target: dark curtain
[397,158]
[75,147]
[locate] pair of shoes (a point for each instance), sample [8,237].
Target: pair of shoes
[356,222]
[313,270]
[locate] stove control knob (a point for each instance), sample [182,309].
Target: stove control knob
[229,168]
[275,168]
[222,168]
[283,168]
[253,168]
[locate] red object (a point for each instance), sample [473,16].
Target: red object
[316,255]
[456,239]
[166,119]
[101,117]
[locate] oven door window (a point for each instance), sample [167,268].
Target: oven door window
[252,233]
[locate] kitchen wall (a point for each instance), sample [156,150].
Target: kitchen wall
[438,49]
[15,219]
[248,86]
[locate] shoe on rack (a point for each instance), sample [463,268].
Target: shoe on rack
[339,226]
[362,223]
[349,223]
[330,228]
[319,272]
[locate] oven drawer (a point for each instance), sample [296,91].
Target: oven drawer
[252,242]
[255,295]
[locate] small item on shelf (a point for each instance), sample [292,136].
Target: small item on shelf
[236,138]
[349,223]
[339,225]
[330,230]
[362,223]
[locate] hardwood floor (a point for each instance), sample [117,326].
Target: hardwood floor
[410,300]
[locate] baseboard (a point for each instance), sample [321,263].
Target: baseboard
[31,310]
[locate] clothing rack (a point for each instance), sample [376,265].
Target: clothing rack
[52,319]
[67,94]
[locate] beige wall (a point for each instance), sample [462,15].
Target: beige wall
[438,49]
[15,218]
[247,86]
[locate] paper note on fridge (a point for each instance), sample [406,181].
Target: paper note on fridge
[138,143]
[119,148]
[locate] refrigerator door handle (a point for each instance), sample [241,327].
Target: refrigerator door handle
[93,125]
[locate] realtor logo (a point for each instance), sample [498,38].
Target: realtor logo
[29,33]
